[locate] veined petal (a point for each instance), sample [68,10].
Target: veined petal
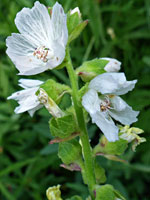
[59,24]
[106,124]
[29,83]
[34,22]
[122,112]
[91,102]
[112,83]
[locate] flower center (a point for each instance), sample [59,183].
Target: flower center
[43,53]
[105,105]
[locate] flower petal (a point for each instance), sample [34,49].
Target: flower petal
[59,24]
[113,65]
[122,112]
[20,50]
[35,23]
[32,111]
[106,124]
[29,83]
[91,102]
[112,83]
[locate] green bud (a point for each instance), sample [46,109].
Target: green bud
[63,127]
[54,193]
[75,24]
[69,152]
[90,69]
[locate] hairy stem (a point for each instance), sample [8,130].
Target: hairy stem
[87,153]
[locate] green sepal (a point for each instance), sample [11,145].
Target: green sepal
[105,192]
[90,69]
[99,174]
[73,20]
[118,195]
[70,151]
[63,127]
[75,198]
[83,90]
[76,32]
[55,90]
[110,148]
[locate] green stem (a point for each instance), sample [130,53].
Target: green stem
[87,153]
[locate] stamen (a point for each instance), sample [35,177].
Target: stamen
[43,53]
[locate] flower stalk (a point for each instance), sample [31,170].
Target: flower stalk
[87,153]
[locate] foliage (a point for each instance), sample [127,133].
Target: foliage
[28,165]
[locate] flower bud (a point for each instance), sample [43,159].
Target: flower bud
[113,65]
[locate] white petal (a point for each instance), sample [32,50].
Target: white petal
[29,83]
[23,94]
[122,112]
[59,24]
[112,83]
[106,124]
[34,22]
[91,102]
[59,55]
[32,111]
[113,65]
[28,104]
[20,50]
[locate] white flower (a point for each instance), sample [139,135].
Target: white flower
[27,99]
[102,103]
[113,65]
[42,39]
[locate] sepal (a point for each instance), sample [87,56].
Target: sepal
[70,152]
[105,192]
[90,69]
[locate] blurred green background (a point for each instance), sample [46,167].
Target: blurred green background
[28,165]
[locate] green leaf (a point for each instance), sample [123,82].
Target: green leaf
[70,151]
[63,127]
[105,192]
[90,69]
[99,174]
[55,90]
